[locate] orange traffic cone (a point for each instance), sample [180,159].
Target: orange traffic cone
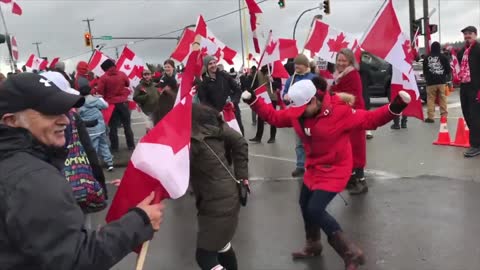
[443,135]
[462,138]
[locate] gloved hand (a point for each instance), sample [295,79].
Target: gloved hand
[249,97]
[400,102]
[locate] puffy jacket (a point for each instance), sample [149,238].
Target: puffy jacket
[90,111]
[326,138]
[215,191]
[146,95]
[42,226]
[296,78]
[113,86]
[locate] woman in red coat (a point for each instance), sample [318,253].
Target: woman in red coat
[324,123]
[348,80]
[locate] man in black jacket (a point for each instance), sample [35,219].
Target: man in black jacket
[42,226]
[469,58]
[436,69]
[217,88]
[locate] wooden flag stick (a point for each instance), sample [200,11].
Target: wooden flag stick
[142,256]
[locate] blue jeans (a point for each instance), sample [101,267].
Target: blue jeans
[300,151]
[100,144]
[313,204]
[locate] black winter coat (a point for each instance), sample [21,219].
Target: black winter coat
[436,69]
[41,225]
[215,92]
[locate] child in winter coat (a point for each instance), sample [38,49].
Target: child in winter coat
[90,111]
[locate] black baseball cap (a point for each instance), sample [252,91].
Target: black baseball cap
[32,91]
[470,28]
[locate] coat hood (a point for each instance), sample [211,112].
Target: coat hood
[435,48]
[82,68]
[14,140]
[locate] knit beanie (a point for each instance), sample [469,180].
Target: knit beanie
[301,59]
[207,60]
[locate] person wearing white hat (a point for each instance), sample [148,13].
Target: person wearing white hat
[323,121]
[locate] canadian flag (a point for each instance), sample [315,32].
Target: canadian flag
[279,71]
[278,49]
[224,52]
[16,9]
[132,65]
[54,62]
[229,117]
[14,48]
[182,50]
[386,40]
[326,41]
[262,92]
[254,11]
[416,44]
[36,63]
[455,65]
[160,162]
[252,58]
[95,63]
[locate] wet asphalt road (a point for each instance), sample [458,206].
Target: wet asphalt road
[421,212]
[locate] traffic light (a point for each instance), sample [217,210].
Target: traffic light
[416,25]
[433,28]
[281,3]
[326,6]
[88,39]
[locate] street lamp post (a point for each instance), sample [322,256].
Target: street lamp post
[299,17]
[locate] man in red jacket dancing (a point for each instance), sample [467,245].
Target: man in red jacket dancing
[324,122]
[113,86]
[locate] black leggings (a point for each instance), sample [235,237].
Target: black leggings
[208,260]
[313,204]
[121,115]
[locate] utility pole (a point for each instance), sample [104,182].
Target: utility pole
[426,26]
[439,29]
[411,5]
[90,31]
[38,48]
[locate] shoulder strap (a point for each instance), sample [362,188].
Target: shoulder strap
[223,164]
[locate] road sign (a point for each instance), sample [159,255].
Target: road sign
[106,37]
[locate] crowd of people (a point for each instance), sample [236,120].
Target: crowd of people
[53,127]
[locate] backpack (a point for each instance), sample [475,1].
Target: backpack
[88,192]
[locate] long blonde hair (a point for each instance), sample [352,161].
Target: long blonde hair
[350,57]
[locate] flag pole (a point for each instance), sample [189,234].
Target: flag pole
[245,33]
[261,58]
[241,30]
[373,21]
[12,64]
[270,77]
[142,256]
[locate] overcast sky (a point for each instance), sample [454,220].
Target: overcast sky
[58,23]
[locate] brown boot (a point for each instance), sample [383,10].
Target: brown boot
[313,246]
[350,253]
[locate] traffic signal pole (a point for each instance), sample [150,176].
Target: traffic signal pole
[90,31]
[12,62]
[411,5]
[426,26]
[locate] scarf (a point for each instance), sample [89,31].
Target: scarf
[465,67]
[339,76]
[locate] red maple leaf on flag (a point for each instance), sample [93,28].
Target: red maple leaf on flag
[127,67]
[212,39]
[407,50]
[335,45]
[405,77]
[203,51]
[271,47]
[218,54]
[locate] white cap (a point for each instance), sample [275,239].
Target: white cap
[60,81]
[301,93]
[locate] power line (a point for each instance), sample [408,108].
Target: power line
[171,32]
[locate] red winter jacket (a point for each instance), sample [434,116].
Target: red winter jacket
[327,147]
[113,86]
[351,83]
